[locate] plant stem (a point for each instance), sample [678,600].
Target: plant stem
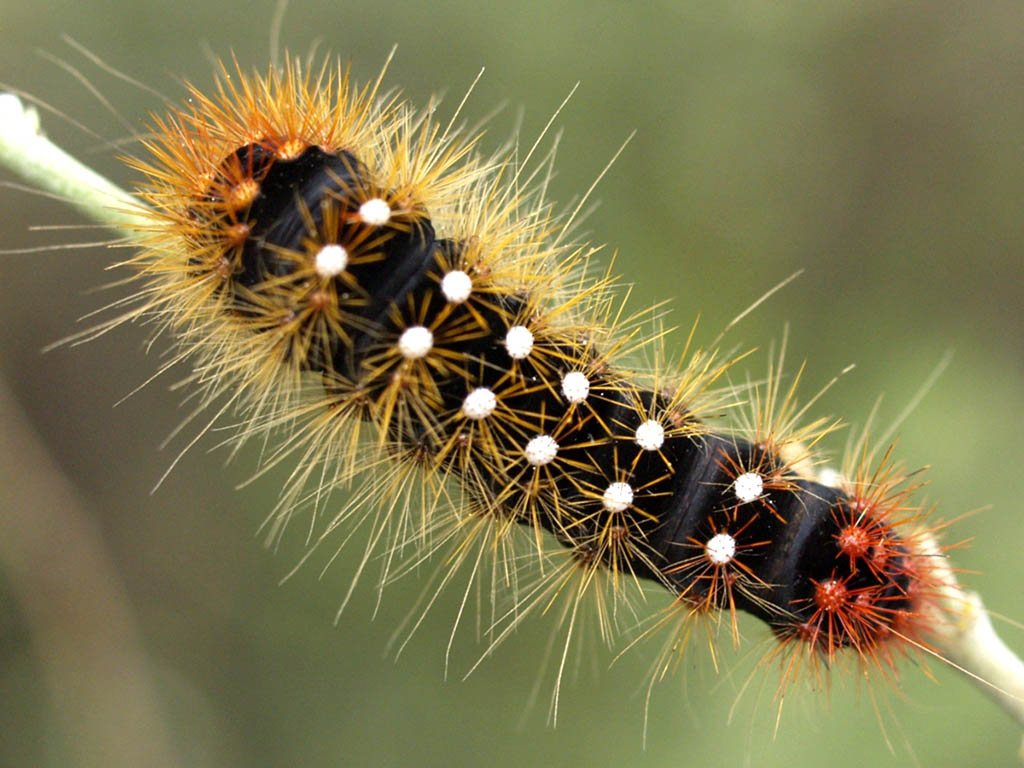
[26,151]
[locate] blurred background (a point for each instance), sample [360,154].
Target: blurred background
[874,145]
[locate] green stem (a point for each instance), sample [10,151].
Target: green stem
[45,166]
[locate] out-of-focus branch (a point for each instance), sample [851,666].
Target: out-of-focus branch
[79,619]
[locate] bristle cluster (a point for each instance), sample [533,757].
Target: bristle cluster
[336,264]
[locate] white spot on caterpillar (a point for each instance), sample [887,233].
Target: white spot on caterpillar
[617,497]
[331,260]
[519,342]
[541,450]
[375,212]
[456,286]
[575,387]
[650,435]
[479,404]
[830,477]
[748,486]
[720,549]
[415,342]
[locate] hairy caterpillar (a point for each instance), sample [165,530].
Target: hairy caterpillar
[306,229]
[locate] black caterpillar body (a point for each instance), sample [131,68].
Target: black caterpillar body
[552,434]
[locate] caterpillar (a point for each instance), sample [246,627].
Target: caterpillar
[546,373]
[303,230]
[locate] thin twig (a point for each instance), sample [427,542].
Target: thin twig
[26,151]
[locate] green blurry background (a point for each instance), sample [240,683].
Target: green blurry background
[875,145]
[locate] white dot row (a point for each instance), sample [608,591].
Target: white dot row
[332,258]
[481,402]
[416,342]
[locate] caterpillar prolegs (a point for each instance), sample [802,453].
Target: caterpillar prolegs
[339,246]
